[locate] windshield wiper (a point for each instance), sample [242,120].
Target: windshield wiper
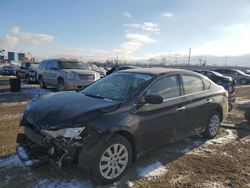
[94,96]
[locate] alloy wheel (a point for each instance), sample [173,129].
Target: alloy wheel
[114,161]
[214,124]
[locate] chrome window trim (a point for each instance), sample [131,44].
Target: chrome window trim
[180,85]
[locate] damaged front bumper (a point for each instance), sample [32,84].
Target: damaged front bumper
[41,147]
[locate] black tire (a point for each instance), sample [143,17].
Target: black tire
[213,129]
[27,79]
[93,161]
[60,85]
[41,82]
[244,81]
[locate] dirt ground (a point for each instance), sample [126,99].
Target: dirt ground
[194,162]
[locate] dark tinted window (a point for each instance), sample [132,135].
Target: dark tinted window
[167,87]
[42,65]
[54,64]
[48,65]
[192,84]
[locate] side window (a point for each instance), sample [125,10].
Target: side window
[48,65]
[54,64]
[207,84]
[192,84]
[167,87]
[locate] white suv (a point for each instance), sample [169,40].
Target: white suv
[65,74]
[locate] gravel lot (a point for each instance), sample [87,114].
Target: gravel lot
[194,162]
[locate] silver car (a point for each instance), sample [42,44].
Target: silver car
[65,74]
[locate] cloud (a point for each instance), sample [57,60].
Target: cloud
[15,38]
[230,40]
[168,14]
[127,14]
[146,27]
[135,37]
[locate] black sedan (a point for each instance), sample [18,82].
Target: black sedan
[115,120]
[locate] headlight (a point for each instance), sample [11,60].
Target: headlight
[71,76]
[67,133]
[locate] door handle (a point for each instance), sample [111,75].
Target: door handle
[181,108]
[209,100]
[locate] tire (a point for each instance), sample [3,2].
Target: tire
[244,81]
[213,125]
[60,85]
[41,82]
[107,163]
[27,79]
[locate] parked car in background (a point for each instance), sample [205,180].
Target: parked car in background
[100,70]
[238,75]
[118,118]
[31,73]
[27,71]
[8,70]
[120,67]
[227,82]
[65,74]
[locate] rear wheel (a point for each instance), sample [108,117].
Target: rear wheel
[213,125]
[60,85]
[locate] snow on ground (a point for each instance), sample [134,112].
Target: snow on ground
[13,103]
[130,183]
[9,117]
[10,162]
[32,92]
[35,91]
[57,183]
[155,169]
[213,185]
[242,100]
[229,137]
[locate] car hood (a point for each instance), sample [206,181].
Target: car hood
[65,109]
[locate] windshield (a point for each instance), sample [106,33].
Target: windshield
[71,65]
[119,86]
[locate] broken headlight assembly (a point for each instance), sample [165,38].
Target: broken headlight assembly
[66,133]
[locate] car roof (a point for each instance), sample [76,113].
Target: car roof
[159,71]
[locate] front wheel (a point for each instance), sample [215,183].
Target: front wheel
[60,85]
[213,125]
[112,160]
[27,79]
[41,82]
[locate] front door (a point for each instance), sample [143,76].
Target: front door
[159,122]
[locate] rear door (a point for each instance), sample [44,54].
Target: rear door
[196,102]
[159,122]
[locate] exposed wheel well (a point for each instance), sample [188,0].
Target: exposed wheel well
[131,140]
[220,111]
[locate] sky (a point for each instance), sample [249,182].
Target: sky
[129,29]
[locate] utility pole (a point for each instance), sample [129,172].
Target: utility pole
[189,55]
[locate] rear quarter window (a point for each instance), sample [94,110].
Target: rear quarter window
[192,84]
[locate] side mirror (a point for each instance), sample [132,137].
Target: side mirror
[153,99]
